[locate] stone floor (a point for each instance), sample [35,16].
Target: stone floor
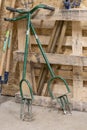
[44,118]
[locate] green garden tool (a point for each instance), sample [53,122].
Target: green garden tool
[63,99]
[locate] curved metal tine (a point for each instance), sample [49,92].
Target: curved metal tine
[30,109]
[22,109]
[67,104]
[28,114]
[64,105]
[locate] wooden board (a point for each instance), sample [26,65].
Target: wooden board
[66,41]
[77,51]
[63,14]
[54,59]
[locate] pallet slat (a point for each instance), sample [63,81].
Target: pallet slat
[53,59]
[63,14]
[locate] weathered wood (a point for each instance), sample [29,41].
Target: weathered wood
[9,51]
[53,59]
[63,14]
[47,102]
[21,27]
[77,51]
[44,40]
[33,79]
[66,74]
[61,37]
[43,24]
[66,41]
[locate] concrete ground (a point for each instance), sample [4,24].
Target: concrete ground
[44,118]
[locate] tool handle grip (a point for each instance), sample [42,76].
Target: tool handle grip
[49,8]
[7,19]
[12,9]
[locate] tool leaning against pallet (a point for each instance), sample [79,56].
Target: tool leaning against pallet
[63,99]
[6,52]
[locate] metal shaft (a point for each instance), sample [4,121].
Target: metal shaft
[26,46]
[42,51]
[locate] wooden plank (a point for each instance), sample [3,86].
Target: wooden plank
[66,41]
[53,58]
[77,51]
[62,14]
[44,40]
[66,74]
[43,24]
[21,27]
[33,79]
[61,37]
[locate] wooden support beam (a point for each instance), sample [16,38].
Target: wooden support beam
[77,51]
[66,41]
[33,79]
[43,24]
[61,37]
[62,14]
[67,74]
[21,29]
[53,58]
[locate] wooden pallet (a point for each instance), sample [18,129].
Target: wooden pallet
[72,65]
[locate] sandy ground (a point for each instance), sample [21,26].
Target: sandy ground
[44,118]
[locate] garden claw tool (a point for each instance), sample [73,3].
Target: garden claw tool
[27,15]
[6,53]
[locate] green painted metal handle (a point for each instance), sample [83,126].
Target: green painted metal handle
[21,11]
[26,13]
[29,86]
[50,82]
[43,6]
